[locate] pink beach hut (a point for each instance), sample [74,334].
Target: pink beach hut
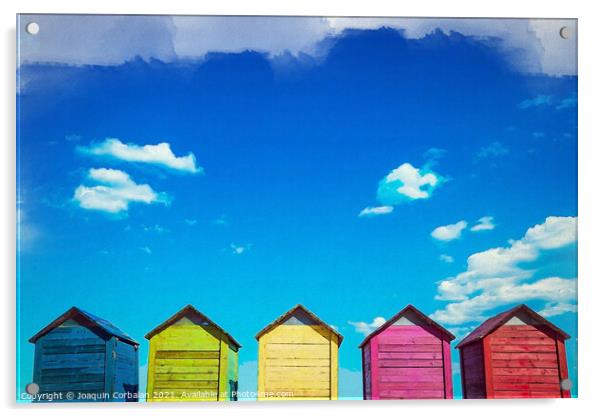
[408,357]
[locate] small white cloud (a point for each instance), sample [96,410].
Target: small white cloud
[114,192]
[375,211]
[557,309]
[160,154]
[432,155]
[484,223]
[567,103]
[538,135]
[537,101]
[461,332]
[492,150]
[27,233]
[221,220]
[239,249]
[407,183]
[73,138]
[446,258]
[155,228]
[449,232]
[190,222]
[367,328]
[146,250]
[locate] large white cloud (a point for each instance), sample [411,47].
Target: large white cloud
[113,192]
[450,231]
[531,45]
[496,276]
[160,154]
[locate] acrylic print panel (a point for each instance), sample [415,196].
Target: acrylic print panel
[218,208]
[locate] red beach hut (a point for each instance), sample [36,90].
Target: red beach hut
[516,354]
[408,357]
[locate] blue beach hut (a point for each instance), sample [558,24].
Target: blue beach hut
[82,357]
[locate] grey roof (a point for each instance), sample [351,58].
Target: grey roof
[89,320]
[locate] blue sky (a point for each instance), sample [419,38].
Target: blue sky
[360,171]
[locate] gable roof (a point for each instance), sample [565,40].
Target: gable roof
[289,313]
[491,324]
[185,311]
[410,308]
[88,320]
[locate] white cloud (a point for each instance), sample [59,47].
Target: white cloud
[494,149]
[367,328]
[146,250]
[432,155]
[449,232]
[496,277]
[407,183]
[375,211]
[239,249]
[556,309]
[114,192]
[554,233]
[530,45]
[160,154]
[221,220]
[446,258]
[190,222]
[537,101]
[461,332]
[155,228]
[567,103]
[484,223]
[27,232]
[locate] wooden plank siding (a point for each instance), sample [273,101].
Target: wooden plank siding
[409,358]
[298,359]
[523,363]
[82,361]
[71,358]
[296,363]
[191,360]
[515,354]
[410,364]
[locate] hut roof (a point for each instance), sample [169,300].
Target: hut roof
[289,313]
[88,320]
[186,311]
[409,308]
[492,324]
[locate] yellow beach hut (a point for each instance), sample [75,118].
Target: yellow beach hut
[298,358]
[191,359]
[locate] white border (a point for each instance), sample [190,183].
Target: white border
[590,209]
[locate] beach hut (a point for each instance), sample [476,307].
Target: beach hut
[298,358]
[81,357]
[516,354]
[408,357]
[191,358]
